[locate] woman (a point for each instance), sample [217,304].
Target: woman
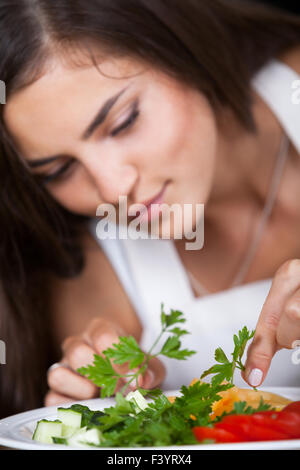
[181,121]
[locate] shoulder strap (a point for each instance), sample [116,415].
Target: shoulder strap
[275,83]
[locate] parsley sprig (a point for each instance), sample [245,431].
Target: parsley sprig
[104,375]
[225,368]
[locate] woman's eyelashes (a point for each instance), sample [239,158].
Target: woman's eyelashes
[128,122]
[62,171]
[58,174]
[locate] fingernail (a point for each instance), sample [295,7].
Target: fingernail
[255,377]
[148,379]
[132,385]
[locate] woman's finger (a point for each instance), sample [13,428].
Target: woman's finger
[77,353]
[289,324]
[53,398]
[64,381]
[101,335]
[154,375]
[264,344]
[259,356]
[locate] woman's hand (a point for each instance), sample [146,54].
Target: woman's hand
[67,385]
[279,322]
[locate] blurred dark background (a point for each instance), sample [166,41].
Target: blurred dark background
[289,5]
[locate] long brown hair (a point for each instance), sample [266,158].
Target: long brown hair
[214,46]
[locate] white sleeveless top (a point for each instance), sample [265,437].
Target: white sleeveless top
[152,273]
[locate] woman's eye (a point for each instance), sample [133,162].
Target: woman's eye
[126,124]
[55,175]
[63,170]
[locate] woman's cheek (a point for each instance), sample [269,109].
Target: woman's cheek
[79,197]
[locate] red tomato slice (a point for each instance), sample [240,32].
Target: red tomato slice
[261,426]
[261,433]
[294,406]
[237,424]
[245,427]
[218,435]
[287,422]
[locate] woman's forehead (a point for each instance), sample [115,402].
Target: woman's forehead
[58,77]
[64,91]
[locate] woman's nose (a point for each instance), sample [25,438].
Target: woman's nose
[113,182]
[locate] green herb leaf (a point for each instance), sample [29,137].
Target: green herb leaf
[220,356]
[178,331]
[127,350]
[240,342]
[102,373]
[174,317]
[152,393]
[225,369]
[171,348]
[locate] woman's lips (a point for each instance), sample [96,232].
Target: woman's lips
[152,206]
[155,199]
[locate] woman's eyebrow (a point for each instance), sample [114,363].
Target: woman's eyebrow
[96,122]
[102,114]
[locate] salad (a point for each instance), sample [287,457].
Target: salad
[214,411]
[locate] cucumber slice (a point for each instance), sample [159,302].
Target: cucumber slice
[86,413]
[138,400]
[45,430]
[60,440]
[85,437]
[71,420]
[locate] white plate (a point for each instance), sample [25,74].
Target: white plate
[16,431]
